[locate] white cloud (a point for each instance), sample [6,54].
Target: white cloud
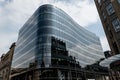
[1,0]
[6,41]
[82,11]
[14,14]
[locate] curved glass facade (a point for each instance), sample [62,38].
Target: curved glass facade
[35,37]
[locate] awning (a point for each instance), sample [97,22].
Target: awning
[108,61]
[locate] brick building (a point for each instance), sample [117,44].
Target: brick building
[109,12]
[5,63]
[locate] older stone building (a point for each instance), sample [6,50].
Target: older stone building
[5,63]
[109,12]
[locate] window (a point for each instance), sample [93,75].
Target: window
[118,1]
[103,14]
[115,48]
[99,1]
[110,9]
[116,24]
[106,2]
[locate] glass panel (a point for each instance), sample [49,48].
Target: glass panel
[104,16]
[116,24]
[119,1]
[110,9]
[99,1]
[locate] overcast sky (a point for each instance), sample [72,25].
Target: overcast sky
[14,13]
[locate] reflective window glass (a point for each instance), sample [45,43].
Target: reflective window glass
[110,9]
[99,1]
[104,16]
[119,1]
[116,24]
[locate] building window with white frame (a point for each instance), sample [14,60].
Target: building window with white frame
[110,9]
[116,24]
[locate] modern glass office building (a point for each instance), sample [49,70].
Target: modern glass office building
[50,27]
